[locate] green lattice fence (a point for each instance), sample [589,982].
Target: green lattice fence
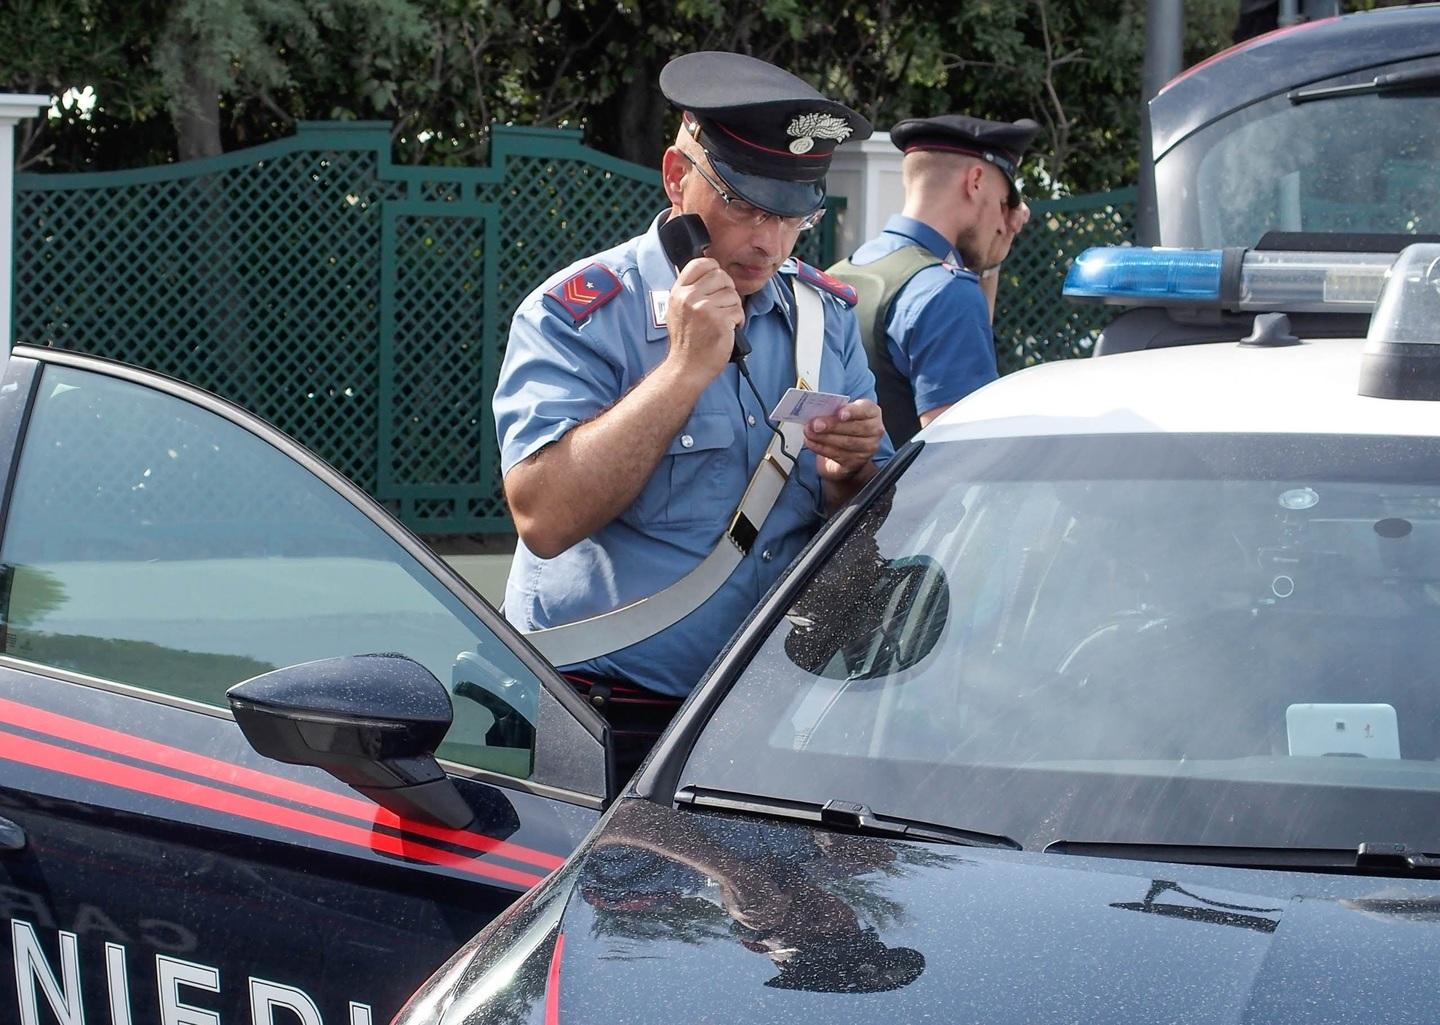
[1033,322]
[362,307]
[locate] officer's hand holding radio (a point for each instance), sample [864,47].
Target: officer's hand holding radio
[705,309]
[703,312]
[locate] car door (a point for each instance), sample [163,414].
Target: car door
[158,546]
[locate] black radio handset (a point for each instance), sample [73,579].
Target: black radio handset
[684,238]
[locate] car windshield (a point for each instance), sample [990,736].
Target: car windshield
[1360,163]
[1197,639]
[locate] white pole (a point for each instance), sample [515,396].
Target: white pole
[14,108]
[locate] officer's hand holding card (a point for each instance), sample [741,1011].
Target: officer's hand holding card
[845,442]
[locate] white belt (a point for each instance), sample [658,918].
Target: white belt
[585,639]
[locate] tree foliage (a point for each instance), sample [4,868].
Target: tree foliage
[252,50]
[52,46]
[191,77]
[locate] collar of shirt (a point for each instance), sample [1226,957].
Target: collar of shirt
[773,297]
[658,276]
[923,235]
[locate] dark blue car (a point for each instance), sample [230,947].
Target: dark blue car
[159,547]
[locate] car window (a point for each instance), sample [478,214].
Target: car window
[1361,163]
[1129,638]
[152,542]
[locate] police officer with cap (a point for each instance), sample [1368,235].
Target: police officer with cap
[926,284]
[654,500]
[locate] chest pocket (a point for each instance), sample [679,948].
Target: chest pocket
[699,479]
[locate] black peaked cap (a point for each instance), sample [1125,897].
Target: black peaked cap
[769,135]
[1001,143]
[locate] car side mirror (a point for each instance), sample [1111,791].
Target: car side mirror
[371,721]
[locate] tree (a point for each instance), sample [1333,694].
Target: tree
[249,50]
[194,77]
[1079,76]
[1068,63]
[53,46]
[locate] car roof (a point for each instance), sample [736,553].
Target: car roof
[1310,388]
[1288,58]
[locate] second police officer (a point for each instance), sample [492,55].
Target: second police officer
[927,284]
[655,505]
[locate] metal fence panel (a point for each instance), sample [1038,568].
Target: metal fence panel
[363,306]
[1034,323]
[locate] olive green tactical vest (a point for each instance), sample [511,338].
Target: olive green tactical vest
[877,284]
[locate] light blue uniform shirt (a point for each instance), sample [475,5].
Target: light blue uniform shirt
[938,333]
[558,374]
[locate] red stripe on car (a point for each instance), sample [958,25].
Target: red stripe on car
[552,983]
[41,755]
[168,757]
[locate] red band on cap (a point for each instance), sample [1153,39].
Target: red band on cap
[767,149]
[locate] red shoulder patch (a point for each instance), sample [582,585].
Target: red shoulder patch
[826,283]
[583,293]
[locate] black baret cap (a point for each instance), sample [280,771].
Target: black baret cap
[769,135]
[1002,143]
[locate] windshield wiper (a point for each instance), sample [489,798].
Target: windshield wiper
[1414,80]
[848,816]
[1380,857]
[1396,855]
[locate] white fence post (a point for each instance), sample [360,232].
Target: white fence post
[14,108]
[867,174]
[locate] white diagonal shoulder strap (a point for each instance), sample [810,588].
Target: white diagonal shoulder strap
[584,639]
[809,336]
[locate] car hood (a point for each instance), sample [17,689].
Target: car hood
[687,915]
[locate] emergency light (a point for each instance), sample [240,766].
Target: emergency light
[1402,347]
[1233,279]
[1124,275]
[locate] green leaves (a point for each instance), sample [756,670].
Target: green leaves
[445,70]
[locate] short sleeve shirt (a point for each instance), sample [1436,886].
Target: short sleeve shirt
[938,333]
[559,373]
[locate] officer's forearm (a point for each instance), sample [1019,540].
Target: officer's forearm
[573,487]
[989,286]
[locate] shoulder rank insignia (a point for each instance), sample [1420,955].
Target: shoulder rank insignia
[582,294]
[826,283]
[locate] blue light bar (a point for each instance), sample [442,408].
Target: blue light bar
[1127,274]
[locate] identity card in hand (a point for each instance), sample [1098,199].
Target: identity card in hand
[799,406]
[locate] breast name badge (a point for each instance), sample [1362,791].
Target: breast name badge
[659,303]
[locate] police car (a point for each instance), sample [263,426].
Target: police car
[159,547]
[1113,697]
